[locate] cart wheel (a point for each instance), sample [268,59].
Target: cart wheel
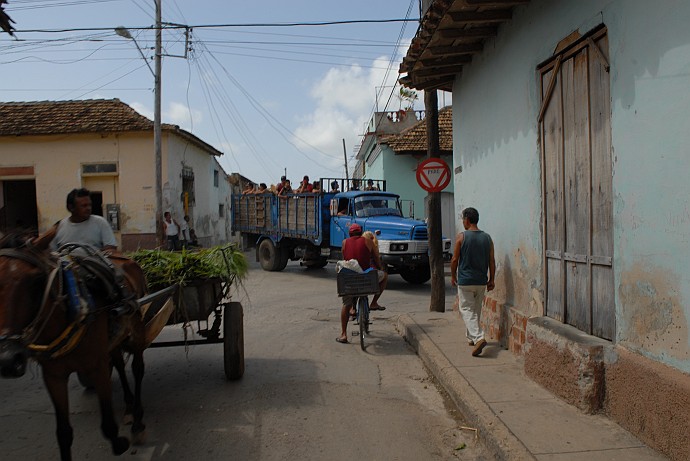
[233,340]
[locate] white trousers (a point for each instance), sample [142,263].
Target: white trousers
[471,300]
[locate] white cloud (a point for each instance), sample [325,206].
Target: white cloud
[182,115]
[345,99]
[176,113]
[143,109]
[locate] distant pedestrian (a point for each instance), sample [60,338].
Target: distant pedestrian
[172,231]
[184,232]
[472,259]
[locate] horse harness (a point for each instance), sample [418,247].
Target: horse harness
[78,270]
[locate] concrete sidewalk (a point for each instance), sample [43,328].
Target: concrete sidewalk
[515,418]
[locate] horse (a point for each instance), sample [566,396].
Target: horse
[38,320]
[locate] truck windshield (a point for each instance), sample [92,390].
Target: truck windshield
[373,205]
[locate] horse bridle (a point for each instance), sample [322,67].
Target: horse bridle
[70,336]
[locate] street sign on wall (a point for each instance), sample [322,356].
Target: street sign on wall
[433,175]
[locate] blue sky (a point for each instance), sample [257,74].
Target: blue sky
[270,98]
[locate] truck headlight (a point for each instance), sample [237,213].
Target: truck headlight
[398,246]
[446,245]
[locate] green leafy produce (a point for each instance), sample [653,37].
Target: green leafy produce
[164,268]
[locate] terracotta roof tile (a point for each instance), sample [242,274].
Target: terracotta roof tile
[60,117]
[413,139]
[84,116]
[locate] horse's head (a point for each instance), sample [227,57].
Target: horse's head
[24,270]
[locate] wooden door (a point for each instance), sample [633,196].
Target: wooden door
[575,132]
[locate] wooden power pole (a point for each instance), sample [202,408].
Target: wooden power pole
[438,283]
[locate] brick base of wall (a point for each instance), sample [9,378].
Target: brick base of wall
[650,400]
[504,323]
[567,362]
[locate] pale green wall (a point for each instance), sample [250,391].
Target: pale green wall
[496,104]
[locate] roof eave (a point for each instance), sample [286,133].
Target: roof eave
[449,35]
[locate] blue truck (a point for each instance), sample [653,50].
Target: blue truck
[310,228]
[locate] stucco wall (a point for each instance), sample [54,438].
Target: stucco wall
[496,103]
[57,164]
[210,228]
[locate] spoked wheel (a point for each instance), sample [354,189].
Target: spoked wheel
[363,313]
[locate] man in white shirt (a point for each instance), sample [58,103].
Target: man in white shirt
[83,227]
[172,231]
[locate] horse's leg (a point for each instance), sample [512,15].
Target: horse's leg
[138,426]
[119,364]
[101,381]
[57,389]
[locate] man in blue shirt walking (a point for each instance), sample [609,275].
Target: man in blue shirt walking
[473,257]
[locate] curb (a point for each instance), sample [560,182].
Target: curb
[496,437]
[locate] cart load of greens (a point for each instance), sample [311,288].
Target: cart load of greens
[164,268]
[204,277]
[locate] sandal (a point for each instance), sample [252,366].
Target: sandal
[377,308]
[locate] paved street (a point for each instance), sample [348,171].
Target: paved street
[303,395]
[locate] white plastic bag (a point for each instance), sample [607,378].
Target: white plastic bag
[351,264]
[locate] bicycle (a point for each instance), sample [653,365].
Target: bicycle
[359,286]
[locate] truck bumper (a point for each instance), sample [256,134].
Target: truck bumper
[410,260]
[405,260]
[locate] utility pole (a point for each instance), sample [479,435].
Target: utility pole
[157,134]
[438,283]
[347,175]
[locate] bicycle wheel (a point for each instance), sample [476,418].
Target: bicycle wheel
[366,314]
[363,316]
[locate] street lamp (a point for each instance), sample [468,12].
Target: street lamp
[157,135]
[124,32]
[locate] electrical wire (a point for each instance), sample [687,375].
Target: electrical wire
[205,26]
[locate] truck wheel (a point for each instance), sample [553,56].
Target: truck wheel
[416,275]
[317,264]
[233,341]
[269,256]
[284,253]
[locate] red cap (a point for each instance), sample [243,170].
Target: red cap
[355,229]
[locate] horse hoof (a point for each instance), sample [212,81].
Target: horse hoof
[127,420]
[139,438]
[120,445]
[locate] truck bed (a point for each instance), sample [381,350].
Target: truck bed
[294,216]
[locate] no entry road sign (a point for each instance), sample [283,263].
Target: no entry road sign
[433,175]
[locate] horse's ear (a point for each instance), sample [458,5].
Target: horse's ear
[41,242]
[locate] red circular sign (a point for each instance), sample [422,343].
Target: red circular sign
[433,175]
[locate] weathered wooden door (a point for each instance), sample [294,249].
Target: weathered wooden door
[575,131]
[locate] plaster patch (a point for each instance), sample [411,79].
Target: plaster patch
[653,319]
[519,280]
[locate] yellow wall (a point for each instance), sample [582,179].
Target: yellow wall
[57,162]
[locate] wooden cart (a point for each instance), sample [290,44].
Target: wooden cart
[207,302]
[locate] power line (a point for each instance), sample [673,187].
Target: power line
[204,26]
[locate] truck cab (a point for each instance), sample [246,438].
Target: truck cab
[403,242]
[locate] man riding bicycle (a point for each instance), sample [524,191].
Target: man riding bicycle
[366,253]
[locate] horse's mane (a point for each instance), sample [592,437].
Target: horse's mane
[14,239]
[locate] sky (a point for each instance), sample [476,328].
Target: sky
[274,98]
